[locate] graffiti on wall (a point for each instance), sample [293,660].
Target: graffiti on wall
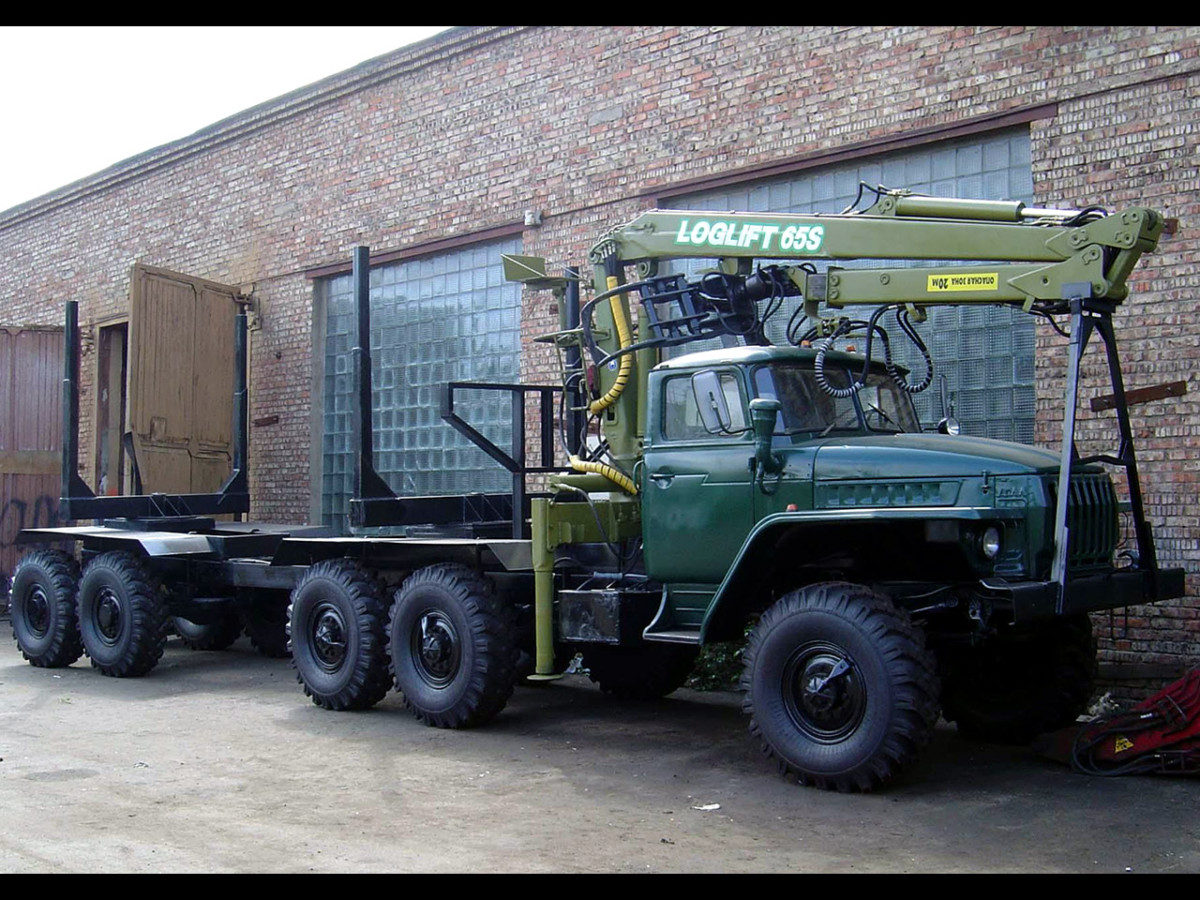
[16,514]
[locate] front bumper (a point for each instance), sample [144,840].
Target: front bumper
[1033,600]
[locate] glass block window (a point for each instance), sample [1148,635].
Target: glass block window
[985,353]
[440,318]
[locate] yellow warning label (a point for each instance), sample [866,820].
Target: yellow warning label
[982,281]
[1122,743]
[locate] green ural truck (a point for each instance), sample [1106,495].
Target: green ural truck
[882,573]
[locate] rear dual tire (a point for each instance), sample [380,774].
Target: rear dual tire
[452,647]
[123,619]
[265,620]
[337,634]
[42,608]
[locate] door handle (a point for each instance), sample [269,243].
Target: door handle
[662,479]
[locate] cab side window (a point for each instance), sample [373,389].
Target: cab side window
[681,417]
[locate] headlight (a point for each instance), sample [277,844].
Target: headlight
[990,542]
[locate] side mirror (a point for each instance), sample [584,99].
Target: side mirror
[763,413]
[710,399]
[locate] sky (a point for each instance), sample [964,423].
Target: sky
[75,100]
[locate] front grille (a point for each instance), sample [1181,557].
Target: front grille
[1091,518]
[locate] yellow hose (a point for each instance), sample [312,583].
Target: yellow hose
[616,476]
[626,365]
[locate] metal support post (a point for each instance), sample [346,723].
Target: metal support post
[1081,327]
[576,397]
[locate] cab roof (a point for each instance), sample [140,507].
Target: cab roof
[750,354]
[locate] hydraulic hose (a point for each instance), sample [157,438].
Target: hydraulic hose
[846,327]
[626,363]
[616,476]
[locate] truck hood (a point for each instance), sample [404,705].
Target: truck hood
[927,456]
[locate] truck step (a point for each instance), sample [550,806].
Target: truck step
[679,636]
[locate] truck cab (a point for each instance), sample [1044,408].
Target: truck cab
[700,496]
[845,488]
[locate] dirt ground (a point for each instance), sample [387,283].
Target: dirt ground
[216,762]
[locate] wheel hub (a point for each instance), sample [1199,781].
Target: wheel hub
[436,648]
[824,694]
[37,611]
[329,637]
[108,615]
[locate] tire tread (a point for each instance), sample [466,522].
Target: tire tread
[493,677]
[147,613]
[61,571]
[911,667]
[369,681]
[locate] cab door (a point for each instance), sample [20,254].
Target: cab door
[697,503]
[807,416]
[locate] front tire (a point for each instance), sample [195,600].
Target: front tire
[42,607]
[839,687]
[452,645]
[122,617]
[337,635]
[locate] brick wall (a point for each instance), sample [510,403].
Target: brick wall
[469,129]
[1139,146]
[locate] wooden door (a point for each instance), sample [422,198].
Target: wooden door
[180,380]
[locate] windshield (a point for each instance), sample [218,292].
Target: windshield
[807,409]
[886,407]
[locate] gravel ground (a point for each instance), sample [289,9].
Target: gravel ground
[216,762]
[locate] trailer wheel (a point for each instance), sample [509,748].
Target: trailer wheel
[122,617]
[453,653]
[209,635]
[42,607]
[265,621]
[338,638]
[1016,686]
[839,686]
[639,673]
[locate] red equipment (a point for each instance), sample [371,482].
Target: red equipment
[1160,734]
